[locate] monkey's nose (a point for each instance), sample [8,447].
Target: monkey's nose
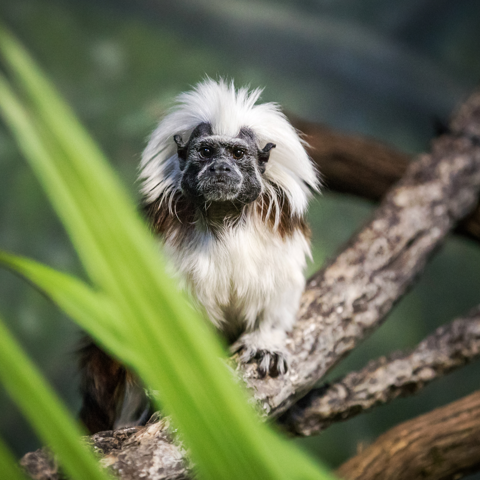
[220,167]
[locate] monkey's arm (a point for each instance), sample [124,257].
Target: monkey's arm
[267,342]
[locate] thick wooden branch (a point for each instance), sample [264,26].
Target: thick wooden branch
[441,445]
[353,163]
[350,298]
[382,380]
[364,166]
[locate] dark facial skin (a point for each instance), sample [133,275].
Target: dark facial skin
[219,169]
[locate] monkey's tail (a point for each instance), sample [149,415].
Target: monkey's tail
[103,385]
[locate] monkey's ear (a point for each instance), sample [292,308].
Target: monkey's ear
[181,150]
[264,155]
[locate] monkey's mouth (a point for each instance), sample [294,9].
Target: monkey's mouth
[222,180]
[220,187]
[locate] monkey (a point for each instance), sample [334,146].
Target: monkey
[225,183]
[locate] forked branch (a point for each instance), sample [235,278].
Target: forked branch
[346,301]
[381,381]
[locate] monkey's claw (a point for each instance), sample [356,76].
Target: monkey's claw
[269,362]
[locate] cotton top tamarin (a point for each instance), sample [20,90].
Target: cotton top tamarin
[225,183]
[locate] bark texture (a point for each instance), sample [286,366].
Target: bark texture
[152,447]
[382,380]
[441,445]
[363,166]
[350,298]
[147,453]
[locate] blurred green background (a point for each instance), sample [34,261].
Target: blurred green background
[377,67]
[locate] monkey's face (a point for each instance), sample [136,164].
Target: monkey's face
[218,168]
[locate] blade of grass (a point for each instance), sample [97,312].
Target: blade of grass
[92,310]
[46,414]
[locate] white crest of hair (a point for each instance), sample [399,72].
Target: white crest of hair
[228,110]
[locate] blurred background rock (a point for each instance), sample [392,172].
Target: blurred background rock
[382,68]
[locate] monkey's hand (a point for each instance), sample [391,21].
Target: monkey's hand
[267,348]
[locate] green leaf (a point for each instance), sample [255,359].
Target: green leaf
[171,348]
[46,413]
[92,310]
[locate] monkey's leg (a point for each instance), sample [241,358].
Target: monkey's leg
[102,387]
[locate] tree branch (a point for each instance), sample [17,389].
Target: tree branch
[441,445]
[349,299]
[364,166]
[382,380]
[353,163]
[134,453]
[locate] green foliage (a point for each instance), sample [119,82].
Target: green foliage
[44,411]
[132,307]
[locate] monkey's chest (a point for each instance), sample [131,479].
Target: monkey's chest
[232,279]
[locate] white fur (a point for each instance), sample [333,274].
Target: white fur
[249,276]
[243,276]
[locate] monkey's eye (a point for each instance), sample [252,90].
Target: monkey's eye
[238,153]
[206,152]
